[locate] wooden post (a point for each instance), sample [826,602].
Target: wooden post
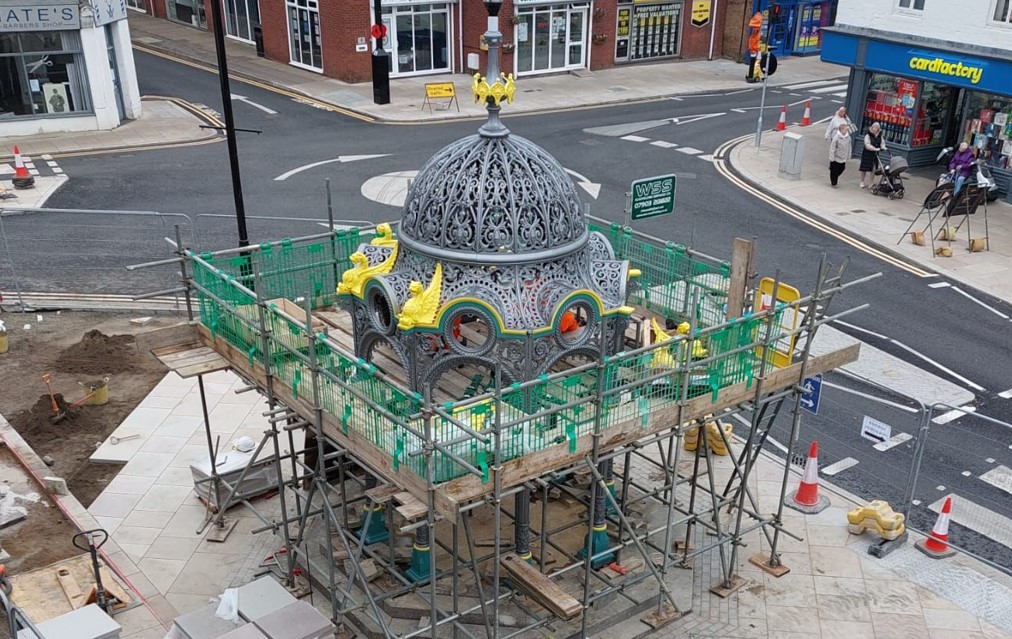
[742,270]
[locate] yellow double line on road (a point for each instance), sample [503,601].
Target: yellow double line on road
[720,162]
[261,85]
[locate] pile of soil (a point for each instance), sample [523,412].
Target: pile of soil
[99,354]
[37,424]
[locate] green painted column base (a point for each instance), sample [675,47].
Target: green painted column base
[419,569]
[599,544]
[610,509]
[527,556]
[377,532]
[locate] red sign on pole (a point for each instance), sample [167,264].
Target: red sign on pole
[379,31]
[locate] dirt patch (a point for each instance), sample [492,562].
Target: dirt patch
[75,348]
[43,519]
[99,354]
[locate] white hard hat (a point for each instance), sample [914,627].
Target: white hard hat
[244,444]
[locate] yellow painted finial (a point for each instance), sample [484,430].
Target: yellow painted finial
[353,280]
[503,88]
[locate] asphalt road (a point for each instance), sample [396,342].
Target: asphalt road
[86,253]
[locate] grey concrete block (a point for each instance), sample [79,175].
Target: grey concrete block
[295,621]
[84,623]
[249,631]
[202,624]
[262,597]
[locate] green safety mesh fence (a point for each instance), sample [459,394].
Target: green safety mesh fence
[551,411]
[671,278]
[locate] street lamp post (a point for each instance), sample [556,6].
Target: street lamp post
[226,111]
[380,59]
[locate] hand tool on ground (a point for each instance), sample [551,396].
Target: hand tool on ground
[619,569]
[90,541]
[58,415]
[115,440]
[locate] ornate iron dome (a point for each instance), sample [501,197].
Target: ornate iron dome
[493,265]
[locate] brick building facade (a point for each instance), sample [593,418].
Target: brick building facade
[332,37]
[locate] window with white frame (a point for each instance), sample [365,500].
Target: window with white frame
[1003,11]
[915,5]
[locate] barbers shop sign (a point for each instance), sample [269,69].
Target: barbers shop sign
[39,16]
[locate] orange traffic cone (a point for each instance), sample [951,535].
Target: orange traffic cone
[806,119]
[782,124]
[22,178]
[807,498]
[936,545]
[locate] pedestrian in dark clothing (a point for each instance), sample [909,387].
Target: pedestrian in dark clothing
[839,152]
[873,143]
[961,164]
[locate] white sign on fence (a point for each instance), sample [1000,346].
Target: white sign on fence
[875,430]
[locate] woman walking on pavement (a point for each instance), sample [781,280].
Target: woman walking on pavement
[839,152]
[834,124]
[873,143]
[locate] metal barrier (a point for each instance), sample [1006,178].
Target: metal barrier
[85,252]
[19,626]
[969,446]
[877,444]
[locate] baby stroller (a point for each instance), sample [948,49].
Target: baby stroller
[890,182]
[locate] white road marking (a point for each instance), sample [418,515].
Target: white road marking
[688,150]
[1006,394]
[871,397]
[939,285]
[939,487]
[50,163]
[677,99]
[686,119]
[738,110]
[914,352]
[663,144]
[57,169]
[705,158]
[5,169]
[635,138]
[973,299]
[841,95]
[953,415]
[592,188]
[966,473]
[46,156]
[809,85]
[244,99]
[977,517]
[34,172]
[893,442]
[839,466]
[342,158]
[916,502]
[938,366]
[999,477]
[863,330]
[837,101]
[831,89]
[990,460]
[795,94]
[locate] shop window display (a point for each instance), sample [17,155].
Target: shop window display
[890,102]
[988,128]
[41,74]
[934,105]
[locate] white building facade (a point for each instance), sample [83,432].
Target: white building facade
[933,73]
[65,65]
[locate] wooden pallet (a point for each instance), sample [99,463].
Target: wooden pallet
[190,359]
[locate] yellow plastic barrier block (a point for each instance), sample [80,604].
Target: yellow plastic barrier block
[878,516]
[713,438]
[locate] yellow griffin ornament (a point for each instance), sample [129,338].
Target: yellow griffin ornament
[354,279]
[384,236]
[498,90]
[662,357]
[422,307]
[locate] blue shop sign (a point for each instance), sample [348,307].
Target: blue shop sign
[955,69]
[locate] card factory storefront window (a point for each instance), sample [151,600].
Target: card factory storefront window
[550,37]
[42,73]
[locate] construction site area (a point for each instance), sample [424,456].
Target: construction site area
[495,417]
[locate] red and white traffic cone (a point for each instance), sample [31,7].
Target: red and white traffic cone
[936,545]
[782,124]
[806,120]
[807,499]
[22,178]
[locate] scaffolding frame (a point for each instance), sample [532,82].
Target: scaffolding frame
[307,495]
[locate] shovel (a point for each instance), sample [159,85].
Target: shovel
[58,415]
